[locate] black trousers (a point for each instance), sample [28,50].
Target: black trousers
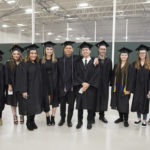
[101,114]
[89,116]
[70,99]
[30,118]
[124,116]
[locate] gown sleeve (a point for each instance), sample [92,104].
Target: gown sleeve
[110,72]
[77,80]
[23,87]
[112,78]
[7,74]
[95,78]
[133,79]
[129,79]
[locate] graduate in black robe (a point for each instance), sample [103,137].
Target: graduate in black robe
[141,84]
[49,76]
[2,87]
[32,90]
[66,91]
[13,70]
[122,86]
[86,82]
[105,73]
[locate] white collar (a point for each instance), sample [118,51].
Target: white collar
[88,59]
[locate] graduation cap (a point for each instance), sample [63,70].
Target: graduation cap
[48,44]
[31,47]
[86,45]
[16,48]
[67,43]
[1,52]
[143,47]
[102,43]
[125,50]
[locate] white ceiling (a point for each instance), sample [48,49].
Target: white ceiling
[81,20]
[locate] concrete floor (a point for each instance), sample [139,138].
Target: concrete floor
[102,136]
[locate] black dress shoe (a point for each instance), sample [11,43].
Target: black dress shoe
[48,121]
[61,123]
[79,125]
[119,120]
[29,126]
[93,121]
[34,125]
[126,124]
[89,125]
[103,119]
[69,124]
[52,120]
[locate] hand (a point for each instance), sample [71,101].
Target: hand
[85,86]
[25,95]
[148,93]
[10,87]
[127,92]
[96,62]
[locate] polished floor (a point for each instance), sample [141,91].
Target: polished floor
[102,136]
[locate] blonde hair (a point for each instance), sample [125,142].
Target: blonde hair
[138,62]
[53,58]
[12,61]
[27,58]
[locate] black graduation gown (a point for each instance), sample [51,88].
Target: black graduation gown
[32,84]
[15,79]
[141,86]
[2,87]
[49,76]
[119,100]
[66,74]
[105,73]
[89,74]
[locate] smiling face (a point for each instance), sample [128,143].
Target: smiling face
[142,54]
[33,55]
[68,50]
[102,50]
[49,51]
[86,52]
[124,56]
[16,55]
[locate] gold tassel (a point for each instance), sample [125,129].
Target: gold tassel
[115,85]
[125,89]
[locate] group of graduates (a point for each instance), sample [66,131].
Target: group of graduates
[35,84]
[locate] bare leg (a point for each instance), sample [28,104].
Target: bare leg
[14,112]
[48,114]
[54,111]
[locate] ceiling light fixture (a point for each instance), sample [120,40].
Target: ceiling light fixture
[53,8]
[83,5]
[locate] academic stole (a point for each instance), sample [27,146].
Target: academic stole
[123,87]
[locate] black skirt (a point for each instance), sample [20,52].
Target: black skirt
[12,100]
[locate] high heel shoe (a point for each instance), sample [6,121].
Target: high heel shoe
[21,119]
[15,120]
[52,120]
[48,121]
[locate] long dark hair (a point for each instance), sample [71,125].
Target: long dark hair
[1,57]
[124,70]
[27,58]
